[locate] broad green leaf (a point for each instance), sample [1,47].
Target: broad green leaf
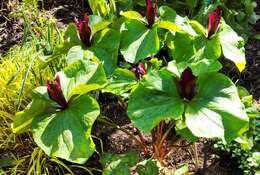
[169,26]
[118,164]
[198,27]
[108,60]
[210,49]
[85,88]
[195,48]
[179,52]
[199,53]
[133,15]
[105,47]
[79,53]
[121,81]
[232,45]
[75,53]
[94,19]
[71,36]
[205,57]
[100,26]
[81,73]
[67,133]
[216,110]
[168,14]
[199,67]
[155,99]
[182,129]
[96,24]
[138,42]
[205,66]
[147,167]
[22,122]
[173,68]
[108,39]
[39,105]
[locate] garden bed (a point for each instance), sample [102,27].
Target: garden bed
[22,147]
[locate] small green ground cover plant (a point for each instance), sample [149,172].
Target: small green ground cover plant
[246,147]
[240,15]
[173,96]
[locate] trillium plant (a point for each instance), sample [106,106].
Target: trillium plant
[213,21]
[139,70]
[150,12]
[164,66]
[84,30]
[55,93]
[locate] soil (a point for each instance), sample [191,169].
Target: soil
[11,29]
[251,76]
[114,108]
[66,10]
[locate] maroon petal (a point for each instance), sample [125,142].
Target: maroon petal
[139,70]
[84,30]
[55,92]
[213,21]
[187,84]
[150,12]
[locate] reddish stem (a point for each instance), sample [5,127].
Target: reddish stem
[143,140]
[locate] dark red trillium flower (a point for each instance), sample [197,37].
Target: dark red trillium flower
[84,30]
[213,21]
[187,84]
[55,92]
[150,12]
[139,70]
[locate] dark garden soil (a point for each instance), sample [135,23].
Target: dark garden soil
[117,141]
[65,10]
[252,73]
[11,29]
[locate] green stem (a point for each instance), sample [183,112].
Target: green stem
[101,142]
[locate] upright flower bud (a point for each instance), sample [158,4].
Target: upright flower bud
[84,30]
[55,92]
[213,21]
[150,12]
[139,70]
[187,84]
